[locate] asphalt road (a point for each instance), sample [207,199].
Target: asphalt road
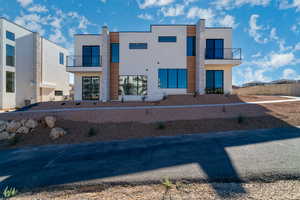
[229,156]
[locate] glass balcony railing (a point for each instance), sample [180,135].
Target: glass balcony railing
[84,61]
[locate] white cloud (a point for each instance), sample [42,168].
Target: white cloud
[228,21]
[57,37]
[38,9]
[276,60]
[230,4]
[250,74]
[33,22]
[25,3]
[145,16]
[285,4]
[173,10]
[103,1]
[196,12]
[258,54]
[83,21]
[290,74]
[297,47]
[152,3]
[254,29]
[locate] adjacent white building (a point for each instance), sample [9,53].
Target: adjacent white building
[32,68]
[168,59]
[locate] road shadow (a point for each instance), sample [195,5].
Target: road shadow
[31,168]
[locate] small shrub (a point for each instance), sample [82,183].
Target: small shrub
[167,183]
[13,141]
[9,192]
[92,132]
[95,103]
[122,99]
[63,103]
[143,98]
[241,119]
[164,97]
[227,94]
[77,104]
[195,94]
[223,109]
[160,125]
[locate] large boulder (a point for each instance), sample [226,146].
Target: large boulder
[57,133]
[13,126]
[6,136]
[50,121]
[3,125]
[31,124]
[23,130]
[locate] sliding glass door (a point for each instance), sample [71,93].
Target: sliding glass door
[214,81]
[90,87]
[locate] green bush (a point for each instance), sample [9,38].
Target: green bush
[241,119]
[167,183]
[9,192]
[92,132]
[160,125]
[13,141]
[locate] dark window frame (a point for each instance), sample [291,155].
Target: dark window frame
[114,58]
[213,52]
[177,78]
[214,89]
[8,81]
[10,59]
[59,93]
[88,60]
[133,46]
[167,39]
[191,46]
[86,98]
[137,86]
[10,36]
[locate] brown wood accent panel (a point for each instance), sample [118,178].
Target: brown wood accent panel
[191,68]
[114,81]
[191,30]
[114,37]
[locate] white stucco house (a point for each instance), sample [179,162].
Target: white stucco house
[32,68]
[147,65]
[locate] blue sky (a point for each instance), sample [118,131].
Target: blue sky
[267,31]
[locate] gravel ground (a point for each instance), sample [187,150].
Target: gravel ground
[179,191]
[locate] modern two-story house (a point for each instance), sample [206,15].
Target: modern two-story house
[32,68]
[168,59]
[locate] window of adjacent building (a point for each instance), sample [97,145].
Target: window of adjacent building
[58,93]
[138,46]
[61,58]
[10,36]
[167,39]
[91,56]
[172,78]
[114,52]
[10,55]
[214,49]
[90,87]
[214,81]
[133,85]
[191,46]
[10,82]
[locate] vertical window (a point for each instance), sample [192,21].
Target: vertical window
[172,78]
[191,46]
[114,52]
[90,87]
[133,85]
[214,49]
[91,56]
[10,36]
[214,81]
[10,55]
[10,82]
[167,39]
[61,58]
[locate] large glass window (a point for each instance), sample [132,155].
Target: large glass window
[91,56]
[214,81]
[214,49]
[172,78]
[138,45]
[133,85]
[58,93]
[61,58]
[90,87]
[10,36]
[10,55]
[191,46]
[167,39]
[114,52]
[10,82]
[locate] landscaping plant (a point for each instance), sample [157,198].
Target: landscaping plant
[9,192]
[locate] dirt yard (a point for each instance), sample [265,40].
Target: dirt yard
[178,191]
[171,100]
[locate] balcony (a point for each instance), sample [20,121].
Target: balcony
[223,56]
[84,63]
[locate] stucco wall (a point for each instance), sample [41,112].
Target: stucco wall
[276,89]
